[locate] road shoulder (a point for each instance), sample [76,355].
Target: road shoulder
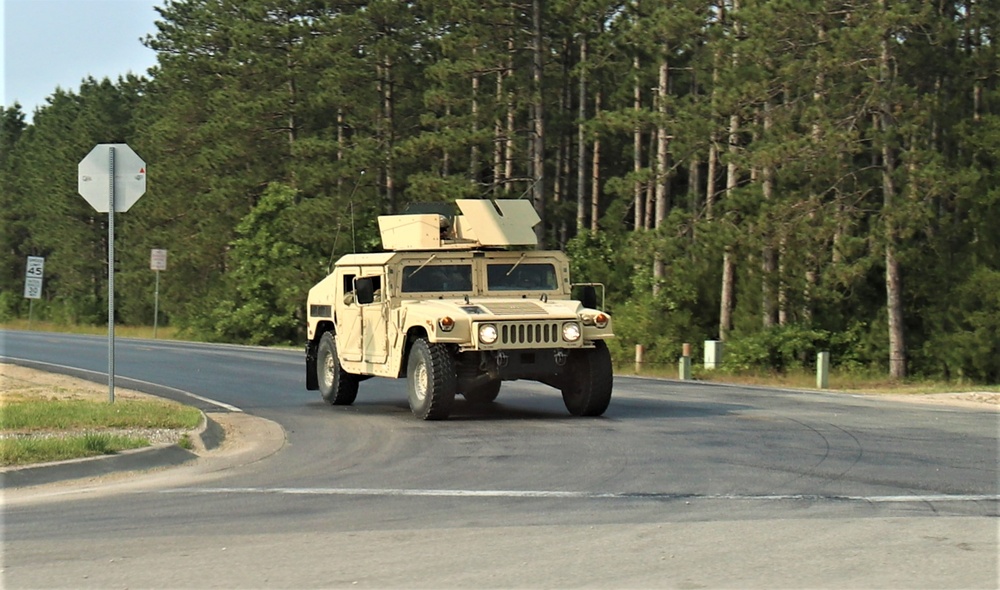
[224,440]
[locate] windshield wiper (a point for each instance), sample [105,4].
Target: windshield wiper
[421,267]
[523,254]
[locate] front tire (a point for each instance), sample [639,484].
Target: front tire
[431,380]
[337,386]
[589,380]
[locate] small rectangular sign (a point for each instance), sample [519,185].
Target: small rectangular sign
[158,260]
[33,275]
[32,288]
[36,267]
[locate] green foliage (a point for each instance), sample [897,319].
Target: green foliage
[779,348]
[272,268]
[10,303]
[970,349]
[276,131]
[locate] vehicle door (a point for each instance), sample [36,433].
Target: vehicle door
[375,319]
[349,323]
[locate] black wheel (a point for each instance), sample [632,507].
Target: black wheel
[587,387]
[337,386]
[431,380]
[484,394]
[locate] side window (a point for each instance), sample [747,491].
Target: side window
[350,296]
[348,288]
[376,288]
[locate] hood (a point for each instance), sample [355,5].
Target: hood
[500,308]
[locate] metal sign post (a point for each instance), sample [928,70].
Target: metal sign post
[127,178]
[157,262]
[111,274]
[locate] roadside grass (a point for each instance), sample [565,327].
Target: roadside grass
[30,415]
[142,332]
[839,380]
[25,451]
[41,420]
[162,332]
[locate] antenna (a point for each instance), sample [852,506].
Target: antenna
[329,266]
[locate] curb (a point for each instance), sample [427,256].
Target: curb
[207,437]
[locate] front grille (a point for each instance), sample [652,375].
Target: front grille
[530,335]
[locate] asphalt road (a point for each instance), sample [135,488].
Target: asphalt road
[678,485]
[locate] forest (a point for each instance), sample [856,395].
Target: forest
[785,176]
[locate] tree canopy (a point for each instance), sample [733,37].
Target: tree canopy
[786,176]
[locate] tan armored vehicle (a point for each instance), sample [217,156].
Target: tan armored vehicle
[456,308]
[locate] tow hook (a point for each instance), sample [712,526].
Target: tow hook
[560,356]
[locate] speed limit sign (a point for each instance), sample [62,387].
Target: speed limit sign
[33,277]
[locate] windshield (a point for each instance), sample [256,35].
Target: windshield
[438,278]
[521,277]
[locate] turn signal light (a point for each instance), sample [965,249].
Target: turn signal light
[446,324]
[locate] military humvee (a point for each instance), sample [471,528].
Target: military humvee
[455,308]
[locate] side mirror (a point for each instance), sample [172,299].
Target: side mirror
[588,296]
[364,290]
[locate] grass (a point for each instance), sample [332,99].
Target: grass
[162,332]
[839,380]
[25,451]
[42,419]
[41,415]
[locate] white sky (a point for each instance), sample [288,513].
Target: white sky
[57,43]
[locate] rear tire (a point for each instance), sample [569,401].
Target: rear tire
[430,380]
[337,386]
[484,394]
[587,387]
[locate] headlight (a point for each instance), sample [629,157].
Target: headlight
[446,324]
[571,332]
[488,333]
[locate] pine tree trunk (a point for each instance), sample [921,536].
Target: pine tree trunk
[498,139]
[712,173]
[727,299]
[562,164]
[508,153]
[662,149]
[595,172]
[650,207]
[662,167]
[474,150]
[581,146]
[769,260]
[538,143]
[340,147]
[893,281]
[445,152]
[388,115]
[637,150]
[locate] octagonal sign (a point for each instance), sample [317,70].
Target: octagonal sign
[95,173]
